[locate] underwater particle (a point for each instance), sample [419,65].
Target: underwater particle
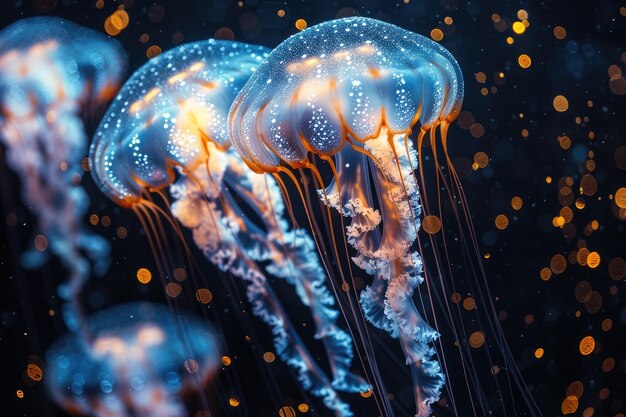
[593,260]
[233,402]
[604,393]
[559,32]
[510,40]
[608,364]
[455,298]
[280,13]
[469,303]
[588,412]
[477,130]
[301,24]
[144,275]
[529,319]
[431,224]
[204,296]
[226,361]
[41,243]
[524,61]
[545,274]
[180,274]
[567,214]
[517,203]
[539,352]
[481,77]
[436,34]
[518,27]
[156,13]
[173,290]
[620,198]
[617,269]
[481,159]
[522,14]
[224,33]
[587,345]
[269,357]
[477,339]
[580,203]
[594,303]
[583,291]
[153,51]
[287,411]
[19,393]
[119,20]
[34,372]
[615,72]
[303,408]
[502,222]
[558,264]
[575,389]
[105,221]
[560,103]
[581,256]
[110,28]
[121,232]
[569,405]
[565,142]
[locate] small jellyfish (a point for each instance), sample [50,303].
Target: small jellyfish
[340,100]
[166,130]
[51,73]
[141,361]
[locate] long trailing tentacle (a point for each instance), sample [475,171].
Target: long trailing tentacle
[235,252]
[387,254]
[47,152]
[293,257]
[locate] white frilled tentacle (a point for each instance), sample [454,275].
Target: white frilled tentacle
[234,244]
[383,239]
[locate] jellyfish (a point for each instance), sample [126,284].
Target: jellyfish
[141,361]
[51,72]
[340,100]
[167,129]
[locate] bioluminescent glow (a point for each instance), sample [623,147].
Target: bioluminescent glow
[340,100]
[141,360]
[170,119]
[51,72]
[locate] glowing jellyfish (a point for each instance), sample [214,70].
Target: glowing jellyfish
[51,72]
[340,99]
[170,119]
[141,360]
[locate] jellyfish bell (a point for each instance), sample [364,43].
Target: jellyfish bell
[166,133]
[346,96]
[54,60]
[344,80]
[141,361]
[51,72]
[170,115]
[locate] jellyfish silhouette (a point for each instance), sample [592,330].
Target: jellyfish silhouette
[141,361]
[169,119]
[51,71]
[344,96]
